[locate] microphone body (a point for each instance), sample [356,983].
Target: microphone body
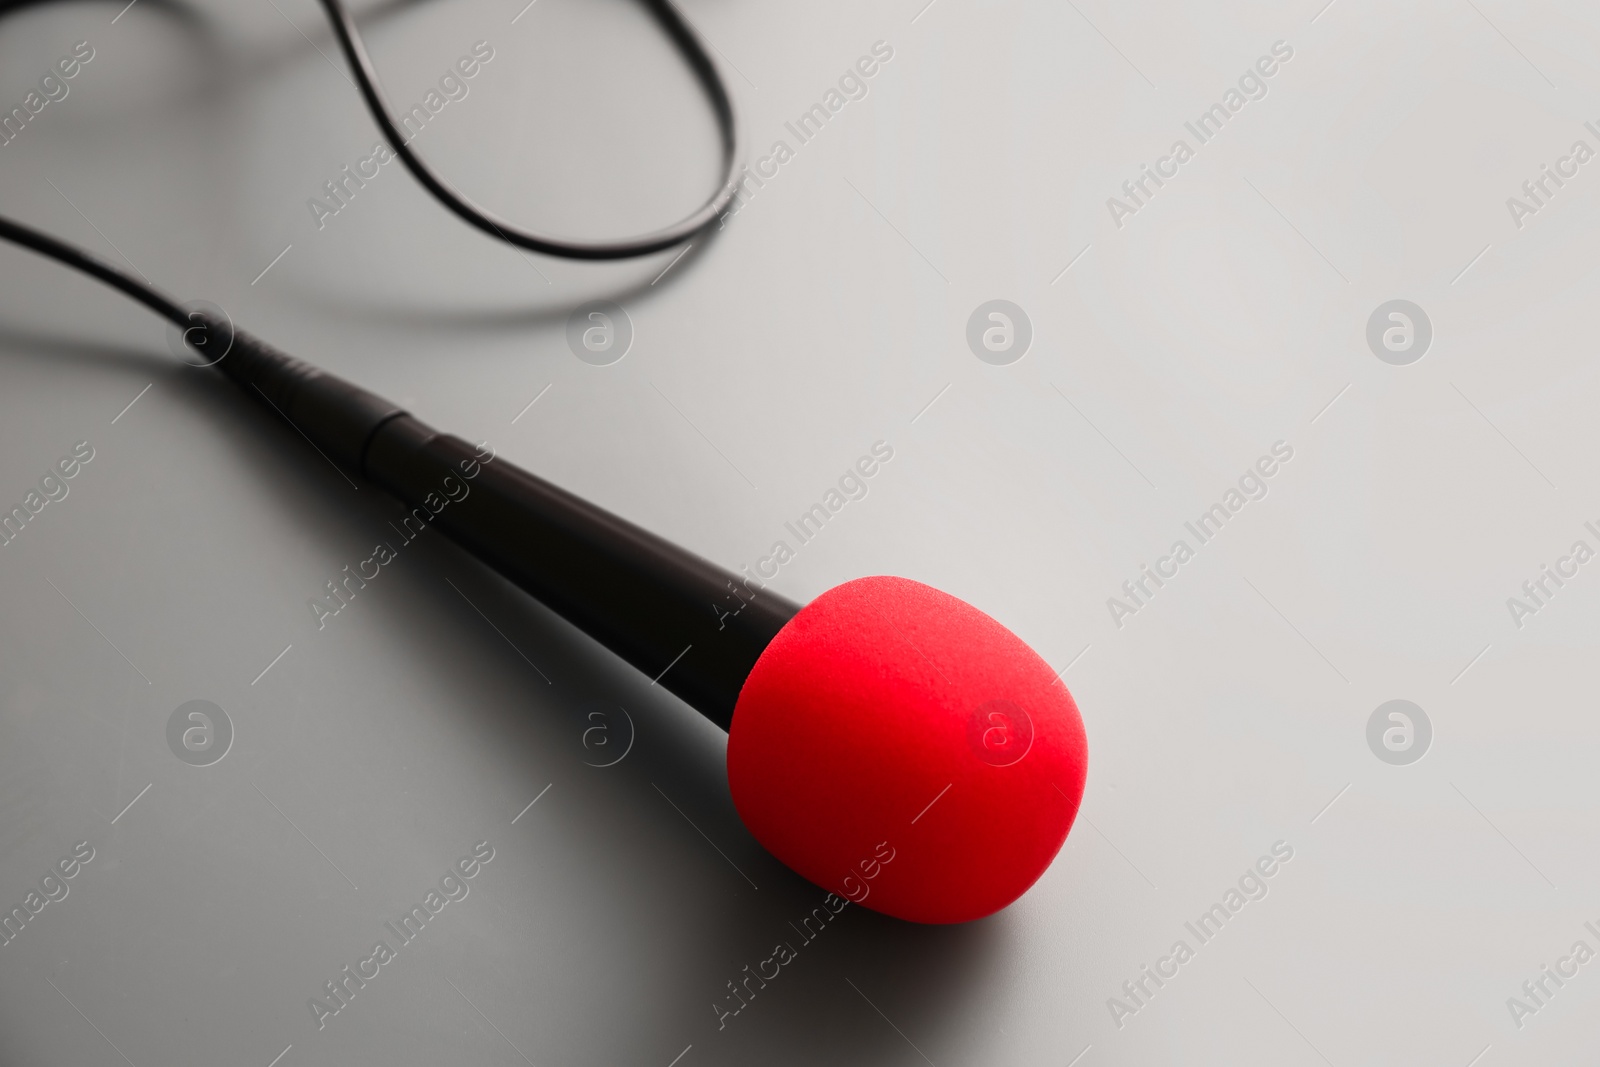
[690,625]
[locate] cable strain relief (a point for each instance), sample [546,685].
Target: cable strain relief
[336,416]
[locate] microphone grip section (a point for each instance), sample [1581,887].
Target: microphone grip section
[339,418]
[684,622]
[687,624]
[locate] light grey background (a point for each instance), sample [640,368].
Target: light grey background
[1228,714]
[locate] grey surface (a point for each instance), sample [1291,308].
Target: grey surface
[1231,712]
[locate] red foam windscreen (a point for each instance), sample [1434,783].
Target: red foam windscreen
[899,747]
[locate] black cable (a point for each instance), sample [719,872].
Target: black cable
[688,43]
[96,268]
[366,77]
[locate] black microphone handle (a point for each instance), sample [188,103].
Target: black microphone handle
[686,623]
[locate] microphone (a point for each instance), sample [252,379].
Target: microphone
[887,741]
